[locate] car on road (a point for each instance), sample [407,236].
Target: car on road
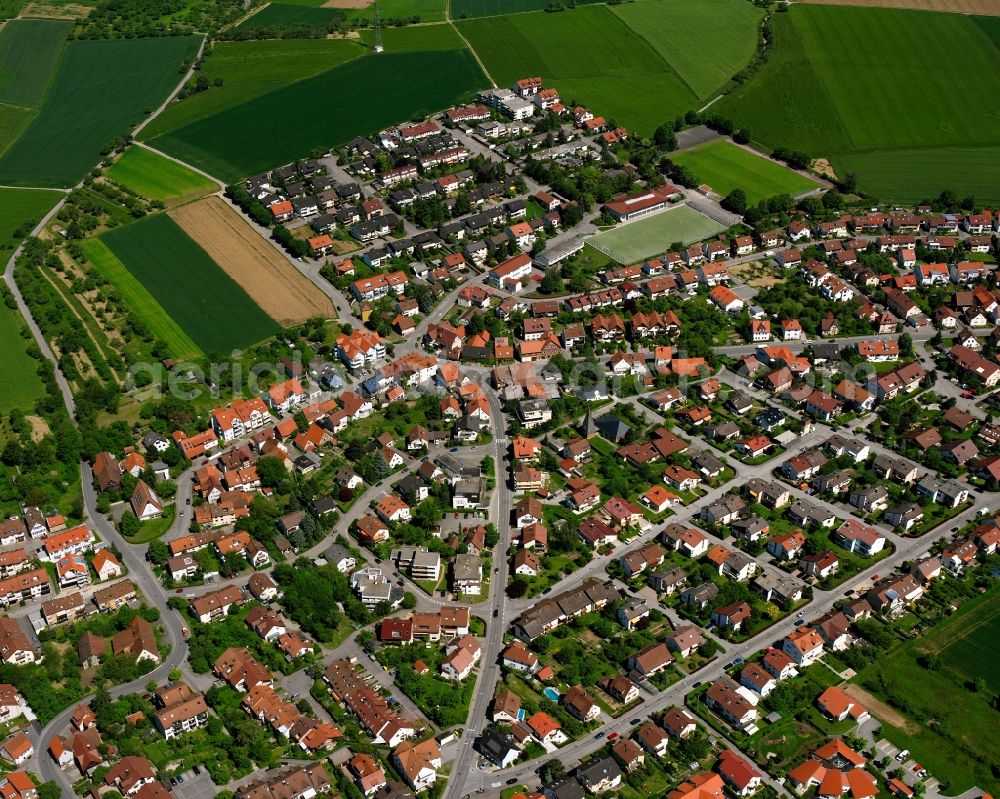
[612,736]
[453,449]
[185,632]
[179,591]
[189,500]
[697,684]
[598,736]
[496,612]
[633,722]
[512,780]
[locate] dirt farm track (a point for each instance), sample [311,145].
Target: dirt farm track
[265,274]
[983,7]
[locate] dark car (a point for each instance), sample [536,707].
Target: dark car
[496,612]
[512,780]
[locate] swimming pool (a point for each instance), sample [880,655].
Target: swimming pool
[552,694]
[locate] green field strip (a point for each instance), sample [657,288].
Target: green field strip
[30,51]
[18,370]
[157,178]
[139,300]
[212,308]
[101,89]
[258,134]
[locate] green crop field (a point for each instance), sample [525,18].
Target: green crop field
[358,97]
[726,166]
[158,178]
[18,371]
[13,121]
[139,300]
[637,241]
[101,89]
[283,16]
[591,56]
[963,741]
[417,38]
[250,69]
[705,42]
[844,82]
[29,52]
[388,10]
[461,9]
[206,303]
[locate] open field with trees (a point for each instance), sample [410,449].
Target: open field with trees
[725,166]
[76,122]
[637,241]
[235,72]
[944,684]
[705,43]
[158,178]
[139,300]
[591,56]
[29,52]
[209,306]
[272,282]
[824,91]
[357,97]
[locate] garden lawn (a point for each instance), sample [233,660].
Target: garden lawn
[706,42]
[158,178]
[101,90]
[846,81]
[249,69]
[726,166]
[29,52]
[637,241]
[358,97]
[591,56]
[207,304]
[139,300]
[965,737]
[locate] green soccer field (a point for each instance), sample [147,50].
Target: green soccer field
[726,166]
[194,291]
[853,85]
[359,97]
[640,240]
[101,90]
[158,178]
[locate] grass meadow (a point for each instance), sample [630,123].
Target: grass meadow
[139,300]
[591,56]
[358,97]
[706,42]
[29,53]
[853,85]
[462,9]
[101,90]
[726,166]
[637,241]
[249,69]
[158,178]
[964,738]
[192,289]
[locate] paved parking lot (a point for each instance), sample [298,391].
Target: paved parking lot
[195,787]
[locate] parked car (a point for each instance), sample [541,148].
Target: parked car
[903,755]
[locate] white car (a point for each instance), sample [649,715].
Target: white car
[903,755]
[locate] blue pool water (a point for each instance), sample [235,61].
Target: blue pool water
[552,694]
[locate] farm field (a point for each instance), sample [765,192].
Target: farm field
[257,134]
[965,726]
[283,292]
[461,9]
[18,206]
[249,69]
[425,10]
[76,120]
[282,16]
[726,166]
[194,291]
[140,300]
[616,58]
[416,38]
[29,52]
[823,91]
[13,121]
[706,43]
[954,6]
[640,240]
[18,370]
[158,178]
